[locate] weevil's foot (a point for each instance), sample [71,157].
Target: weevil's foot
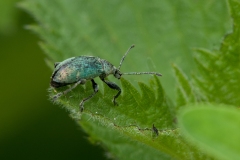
[81,109]
[81,106]
[55,97]
[114,102]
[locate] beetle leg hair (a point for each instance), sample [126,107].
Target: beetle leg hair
[113,86]
[95,89]
[82,81]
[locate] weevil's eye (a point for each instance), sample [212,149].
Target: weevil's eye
[117,74]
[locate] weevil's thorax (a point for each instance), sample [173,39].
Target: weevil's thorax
[107,67]
[110,69]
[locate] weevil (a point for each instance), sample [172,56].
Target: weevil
[78,70]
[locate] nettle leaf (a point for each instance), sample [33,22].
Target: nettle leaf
[219,76]
[127,128]
[133,108]
[106,29]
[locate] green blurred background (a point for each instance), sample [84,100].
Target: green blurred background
[31,127]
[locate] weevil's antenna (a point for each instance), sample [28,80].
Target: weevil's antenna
[125,56]
[139,73]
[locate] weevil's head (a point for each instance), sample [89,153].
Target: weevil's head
[117,74]
[111,69]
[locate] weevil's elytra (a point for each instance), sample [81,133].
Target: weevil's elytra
[77,70]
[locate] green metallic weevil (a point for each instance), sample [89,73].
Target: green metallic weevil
[77,70]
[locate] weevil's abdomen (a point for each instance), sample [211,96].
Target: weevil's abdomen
[73,69]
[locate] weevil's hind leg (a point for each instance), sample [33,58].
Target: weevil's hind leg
[95,89]
[82,81]
[113,86]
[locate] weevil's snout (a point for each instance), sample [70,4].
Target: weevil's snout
[117,74]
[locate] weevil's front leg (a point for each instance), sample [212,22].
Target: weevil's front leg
[95,89]
[82,81]
[113,86]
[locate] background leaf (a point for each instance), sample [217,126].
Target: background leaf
[220,69]
[217,129]
[214,127]
[185,90]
